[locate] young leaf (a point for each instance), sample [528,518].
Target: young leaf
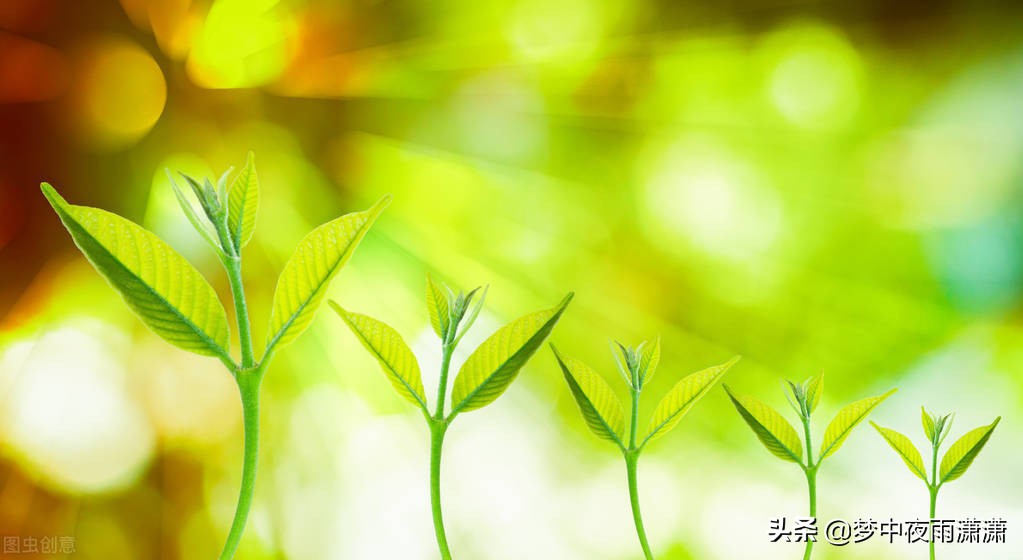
[193,218]
[962,453]
[649,358]
[304,280]
[844,422]
[395,357]
[928,422]
[597,402]
[468,323]
[161,287]
[489,370]
[771,428]
[243,201]
[682,397]
[814,389]
[437,306]
[905,448]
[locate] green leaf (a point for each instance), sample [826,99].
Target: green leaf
[491,368]
[395,357]
[161,287]
[962,453]
[597,402]
[814,390]
[649,358]
[682,397]
[905,448]
[304,280]
[243,201]
[437,306]
[928,423]
[193,217]
[771,428]
[844,422]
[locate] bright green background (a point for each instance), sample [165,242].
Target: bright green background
[826,187]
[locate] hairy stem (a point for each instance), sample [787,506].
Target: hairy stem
[631,461]
[248,385]
[233,265]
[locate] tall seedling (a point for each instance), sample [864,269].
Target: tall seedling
[170,296]
[484,376]
[605,416]
[781,438]
[957,459]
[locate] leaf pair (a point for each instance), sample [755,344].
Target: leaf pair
[174,300]
[604,413]
[486,373]
[957,459]
[781,438]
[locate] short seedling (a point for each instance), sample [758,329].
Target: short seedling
[957,459]
[605,416]
[170,296]
[484,376]
[781,438]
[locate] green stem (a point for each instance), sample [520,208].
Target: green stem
[631,461]
[811,482]
[248,385]
[933,488]
[438,427]
[437,431]
[233,265]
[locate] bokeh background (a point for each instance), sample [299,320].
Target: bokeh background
[816,185]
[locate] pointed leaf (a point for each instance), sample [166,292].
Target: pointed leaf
[161,287]
[243,202]
[649,358]
[962,453]
[814,390]
[771,428]
[682,397]
[928,423]
[437,306]
[395,357]
[489,370]
[905,448]
[193,217]
[597,402]
[304,280]
[844,422]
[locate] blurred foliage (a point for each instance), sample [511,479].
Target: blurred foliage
[815,186]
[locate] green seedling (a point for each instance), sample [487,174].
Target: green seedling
[605,416]
[177,303]
[781,439]
[484,376]
[957,459]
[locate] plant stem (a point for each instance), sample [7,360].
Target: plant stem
[233,265]
[437,430]
[811,482]
[249,377]
[248,385]
[438,427]
[631,460]
[933,488]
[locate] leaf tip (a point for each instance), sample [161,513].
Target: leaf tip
[51,194]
